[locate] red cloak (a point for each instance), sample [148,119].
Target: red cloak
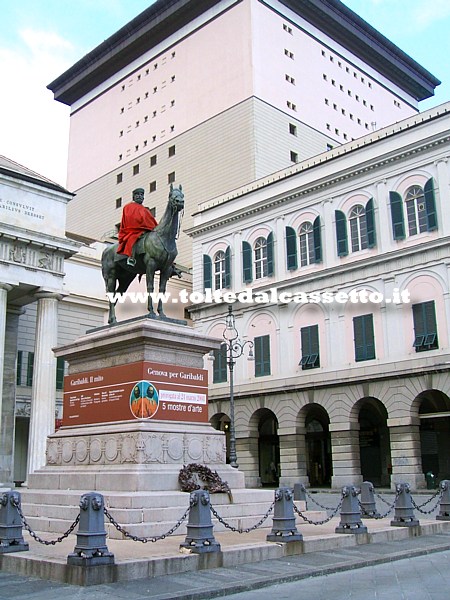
[136,219]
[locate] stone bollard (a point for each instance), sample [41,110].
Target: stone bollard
[91,549]
[284,528]
[300,493]
[444,507]
[200,536]
[11,538]
[350,512]
[404,511]
[368,505]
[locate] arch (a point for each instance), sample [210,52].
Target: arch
[374,441]
[264,424]
[315,422]
[433,409]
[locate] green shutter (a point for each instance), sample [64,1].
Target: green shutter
[19,367]
[398,222]
[310,347]
[247,262]
[341,233]
[30,366]
[60,373]
[207,272]
[317,236]
[430,205]
[220,366]
[370,223]
[291,248]
[227,267]
[364,338]
[425,327]
[270,260]
[262,355]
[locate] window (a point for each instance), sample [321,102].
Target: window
[220,365]
[310,347]
[136,148]
[136,170]
[19,367]
[260,254]
[121,133]
[358,228]
[171,177]
[118,202]
[119,177]
[329,147]
[364,338]
[325,77]
[122,110]
[138,100]
[327,102]
[137,123]
[294,157]
[262,355]
[153,186]
[219,270]
[153,160]
[416,210]
[425,330]
[172,79]
[291,105]
[60,367]
[30,367]
[306,244]
[172,103]
[173,55]
[171,151]
[155,89]
[292,129]
[290,79]
[287,28]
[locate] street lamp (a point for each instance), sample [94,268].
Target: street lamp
[234,349]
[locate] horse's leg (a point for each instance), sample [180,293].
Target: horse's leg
[150,277]
[110,282]
[163,279]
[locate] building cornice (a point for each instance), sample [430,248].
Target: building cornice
[321,183]
[166,17]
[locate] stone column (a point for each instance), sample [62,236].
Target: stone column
[4,289]
[247,453]
[43,395]
[345,453]
[406,452]
[293,457]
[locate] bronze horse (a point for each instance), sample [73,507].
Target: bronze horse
[156,251]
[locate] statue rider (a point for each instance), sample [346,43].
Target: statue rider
[136,219]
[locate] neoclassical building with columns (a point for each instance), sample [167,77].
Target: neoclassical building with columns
[42,304]
[350,379]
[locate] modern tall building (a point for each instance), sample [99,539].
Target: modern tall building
[215,94]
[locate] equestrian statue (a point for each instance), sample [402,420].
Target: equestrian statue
[144,248]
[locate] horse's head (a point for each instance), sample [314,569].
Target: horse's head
[176,198]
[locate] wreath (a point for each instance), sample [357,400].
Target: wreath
[191,476]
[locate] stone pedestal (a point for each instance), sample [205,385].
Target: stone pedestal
[136,455]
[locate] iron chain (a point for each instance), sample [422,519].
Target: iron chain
[238,529]
[333,514]
[315,501]
[419,507]
[144,540]
[383,500]
[36,537]
[378,516]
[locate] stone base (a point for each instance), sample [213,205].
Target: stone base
[131,456]
[351,529]
[6,547]
[284,537]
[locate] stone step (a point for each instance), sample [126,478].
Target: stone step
[52,527]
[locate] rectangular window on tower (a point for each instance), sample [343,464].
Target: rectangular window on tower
[220,366]
[364,338]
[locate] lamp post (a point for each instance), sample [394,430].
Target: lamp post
[234,349]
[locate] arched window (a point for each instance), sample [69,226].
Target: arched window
[358,228]
[219,270]
[306,244]
[260,253]
[416,210]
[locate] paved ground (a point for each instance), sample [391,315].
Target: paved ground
[409,568]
